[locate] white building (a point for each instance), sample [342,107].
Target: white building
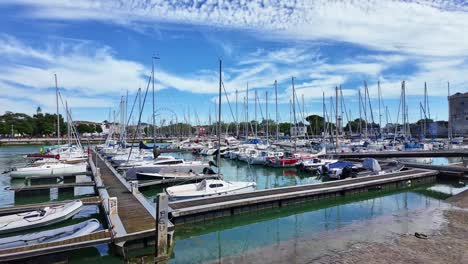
[298,131]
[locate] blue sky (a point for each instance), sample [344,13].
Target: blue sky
[101,49]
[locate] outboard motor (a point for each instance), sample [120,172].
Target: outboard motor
[156,152]
[347,172]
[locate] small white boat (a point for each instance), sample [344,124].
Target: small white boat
[54,169]
[38,218]
[208,188]
[53,235]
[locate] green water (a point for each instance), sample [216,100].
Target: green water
[265,177]
[238,235]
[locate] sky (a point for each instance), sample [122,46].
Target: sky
[101,50]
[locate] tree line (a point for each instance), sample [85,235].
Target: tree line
[38,125]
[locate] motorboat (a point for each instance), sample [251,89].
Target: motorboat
[47,170]
[208,188]
[345,169]
[39,218]
[313,165]
[53,235]
[171,165]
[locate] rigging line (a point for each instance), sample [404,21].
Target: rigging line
[229,103]
[74,131]
[370,106]
[139,118]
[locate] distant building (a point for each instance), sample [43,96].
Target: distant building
[298,131]
[458,104]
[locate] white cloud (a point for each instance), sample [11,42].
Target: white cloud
[436,28]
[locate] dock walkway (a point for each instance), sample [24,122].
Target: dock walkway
[201,209]
[133,215]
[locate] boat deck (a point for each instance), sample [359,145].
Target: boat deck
[134,216]
[93,239]
[176,180]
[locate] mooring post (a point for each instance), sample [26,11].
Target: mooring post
[161,229]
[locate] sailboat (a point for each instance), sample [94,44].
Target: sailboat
[210,187]
[39,218]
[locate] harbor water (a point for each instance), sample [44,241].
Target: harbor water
[323,225]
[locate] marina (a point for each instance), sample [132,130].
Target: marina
[132,228]
[202,132]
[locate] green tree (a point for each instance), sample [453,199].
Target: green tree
[98,128]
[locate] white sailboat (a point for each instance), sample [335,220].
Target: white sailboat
[47,170]
[38,218]
[210,187]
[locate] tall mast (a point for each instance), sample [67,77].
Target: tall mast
[365,108]
[218,161]
[57,102]
[247,111]
[256,131]
[324,121]
[140,110]
[237,116]
[68,123]
[276,106]
[450,116]
[153,114]
[294,111]
[336,117]
[266,110]
[360,113]
[303,112]
[380,114]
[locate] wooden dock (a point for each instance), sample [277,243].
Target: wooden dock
[93,239]
[50,186]
[30,207]
[134,216]
[402,154]
[445,170]
[202,209]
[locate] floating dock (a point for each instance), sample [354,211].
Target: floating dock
[402,154]
[31,207]
[204,209]
[38,187]
[93,239]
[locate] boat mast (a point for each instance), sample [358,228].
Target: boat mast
[324,120]
[276,106]
[450,116]
[336,117]
[266,110]
[294,112]
[247,112]
[153,114]
[68,124]
[380,114]
[256,127]
[237,116]
[218,155]
[58,117]
[360,114]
